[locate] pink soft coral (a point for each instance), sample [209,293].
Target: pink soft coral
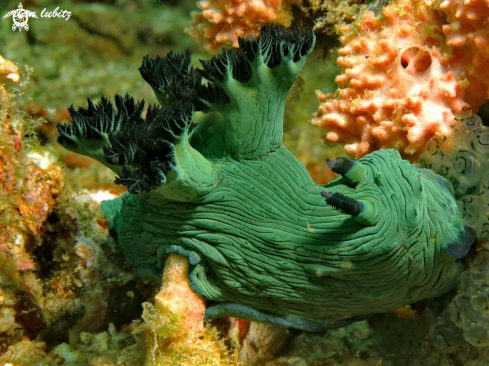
[467,24]
[221,22]
[467,32]
[397,90]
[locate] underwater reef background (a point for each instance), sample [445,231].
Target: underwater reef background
[399,74]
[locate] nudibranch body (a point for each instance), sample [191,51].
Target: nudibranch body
[225,193]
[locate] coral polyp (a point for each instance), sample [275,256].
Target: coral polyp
[262,239]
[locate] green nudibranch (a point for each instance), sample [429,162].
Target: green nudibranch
[261,240]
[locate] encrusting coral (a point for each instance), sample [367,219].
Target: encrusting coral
[333,14]
[221,22]
[227,195]
[58,274]
[28,192]
[397,89]
[467,32]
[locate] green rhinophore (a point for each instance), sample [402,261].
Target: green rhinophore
[257,231]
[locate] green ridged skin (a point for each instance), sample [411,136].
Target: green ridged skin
[260,237]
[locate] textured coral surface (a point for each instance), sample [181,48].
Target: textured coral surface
[58,274]
[28,193]
[330,16]
[467,32]
[221,22]
[396,90]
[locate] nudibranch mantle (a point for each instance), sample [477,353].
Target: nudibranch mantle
[224,192]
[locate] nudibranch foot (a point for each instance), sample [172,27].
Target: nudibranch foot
[289,321]
[164,250]
[461,246]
